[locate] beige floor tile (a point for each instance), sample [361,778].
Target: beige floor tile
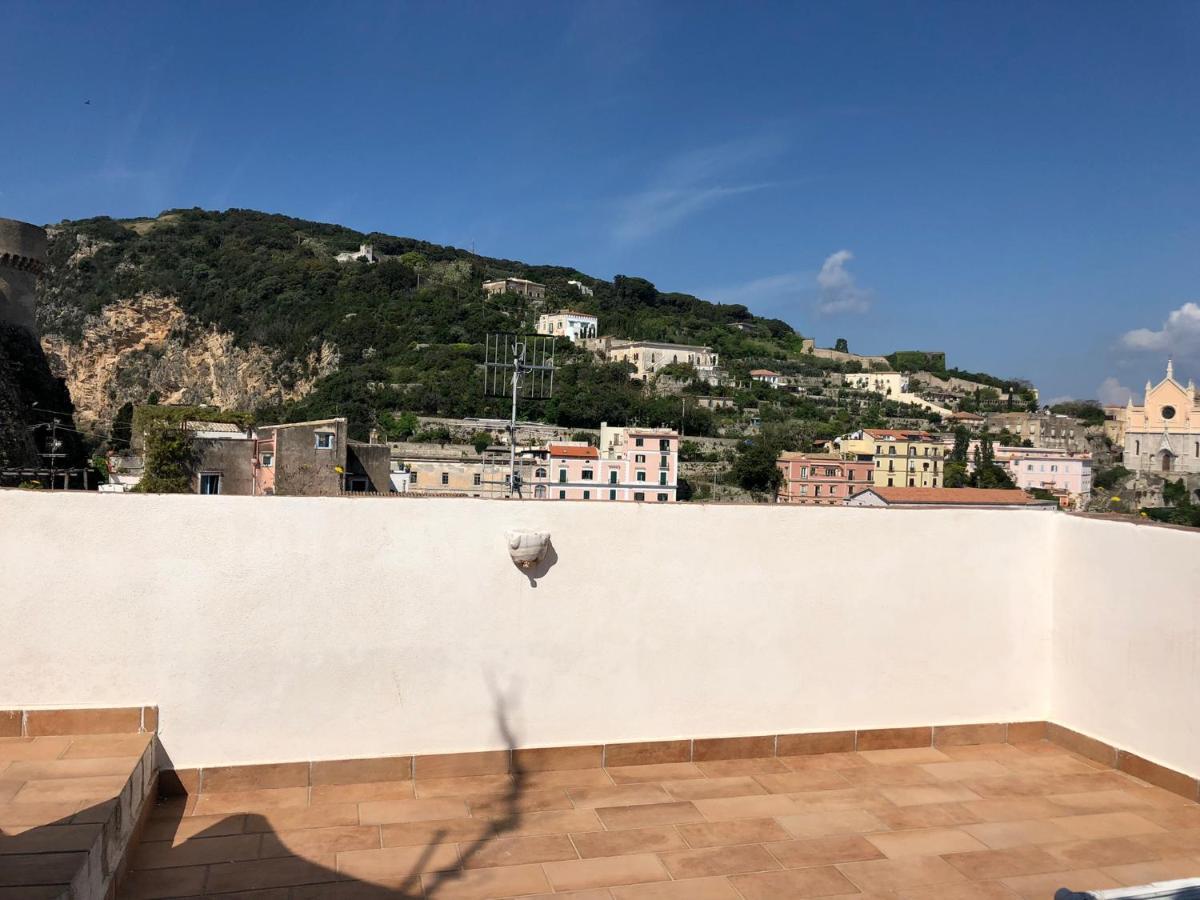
[820,824]
[970,890]
[492,806]
[654,772]
[1014,809]
[196,852]
[905,757]
[724,768]
[1042,886]
[556,821]
[297,817]
[796,782]
[834,761]
[871,776]
[392,864]
[712,788]
[924,842]
[674,813]
[258,874]
[915,795]
[437,831]
[825,851]
[1117,851]
[567,779]
[517,851]
[464,786]
[852,798]
[896,874]
[741,831]
[634,840]
[605,871]
[483,884]
[1020,833]
[1155,870]
[379,812]
[766,806]
[925,815]
[618,795]
[733,860]
[250,801]
[1102,825]
[311,842]
[958,770]
[991,865]
[359,792]
[821,881]
[717,888]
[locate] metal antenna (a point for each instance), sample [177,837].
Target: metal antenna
[519,367]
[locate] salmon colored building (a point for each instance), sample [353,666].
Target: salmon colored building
[631,464]
[822,479]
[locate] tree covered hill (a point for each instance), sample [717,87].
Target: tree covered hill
[408,331]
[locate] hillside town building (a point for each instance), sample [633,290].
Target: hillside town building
[1162,434]
[822,479]
[889,384]
[1044,429]
[901,458]
[631,464]
[1065,473]
[647,357]
[574,326]
[766,376]
[365,252]
[582,288]
[522,286]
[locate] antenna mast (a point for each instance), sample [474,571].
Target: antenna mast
[519,367]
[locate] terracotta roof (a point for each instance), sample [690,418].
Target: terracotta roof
[953,496]
[762,372]
[569,452]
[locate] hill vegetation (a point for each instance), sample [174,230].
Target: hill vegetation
[409,330]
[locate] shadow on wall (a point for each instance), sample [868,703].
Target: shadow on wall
[243,851]
[544,565]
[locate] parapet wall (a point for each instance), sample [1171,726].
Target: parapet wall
[308,628]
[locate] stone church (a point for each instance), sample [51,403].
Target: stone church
[1163,434]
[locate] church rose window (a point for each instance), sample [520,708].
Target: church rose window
[1168,412]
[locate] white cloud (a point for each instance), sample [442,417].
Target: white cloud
[1179,335]
[1112,393]
[690,183]
[839,291]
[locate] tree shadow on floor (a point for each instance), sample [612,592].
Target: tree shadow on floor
[295,877]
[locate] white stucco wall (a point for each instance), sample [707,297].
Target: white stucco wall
[1127,638]
[290,628]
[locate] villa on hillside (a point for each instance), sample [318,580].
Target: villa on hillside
[521,286]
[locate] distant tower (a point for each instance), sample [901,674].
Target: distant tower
[25,378]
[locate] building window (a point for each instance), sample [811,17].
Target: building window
[612,495]
[664,445]
[850,475]
[413,477]
[210,483]
[562,495]
[639,496]
[833,489]
[817,491]
[562,476]
[639,457]
[638,442]
[889,482]
[911,482]
[445,478]
[804,490]
[662,498]
[539,473]
[891,451]
[324,440]
[664,462]
[478,479]
[641,475]
[587,495]
[612,477]
[588,474]
[267,460]
[804,471]
[662,477]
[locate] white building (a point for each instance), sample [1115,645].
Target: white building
[647,357]
[574,326]
[889,384]
[766,376]
[365,251]
[522,286]
[582,288]
[1163,434]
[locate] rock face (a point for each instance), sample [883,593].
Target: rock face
[147,344]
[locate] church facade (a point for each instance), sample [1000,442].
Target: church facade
[1163,434]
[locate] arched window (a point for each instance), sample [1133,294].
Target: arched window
[539,473]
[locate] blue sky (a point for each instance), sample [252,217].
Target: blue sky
[1015,183]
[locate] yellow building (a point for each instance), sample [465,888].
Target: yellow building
[901,458]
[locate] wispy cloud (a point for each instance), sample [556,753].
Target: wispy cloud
[839,290]
[1112,393]
[691,183]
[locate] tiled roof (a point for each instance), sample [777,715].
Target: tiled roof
[569,452]
[955,496]
[763,372]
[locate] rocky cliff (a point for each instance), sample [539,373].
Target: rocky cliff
[146,344]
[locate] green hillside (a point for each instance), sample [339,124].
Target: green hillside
[410,329]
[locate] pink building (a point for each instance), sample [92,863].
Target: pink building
[824,479]
[1064,472]
[631,464]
